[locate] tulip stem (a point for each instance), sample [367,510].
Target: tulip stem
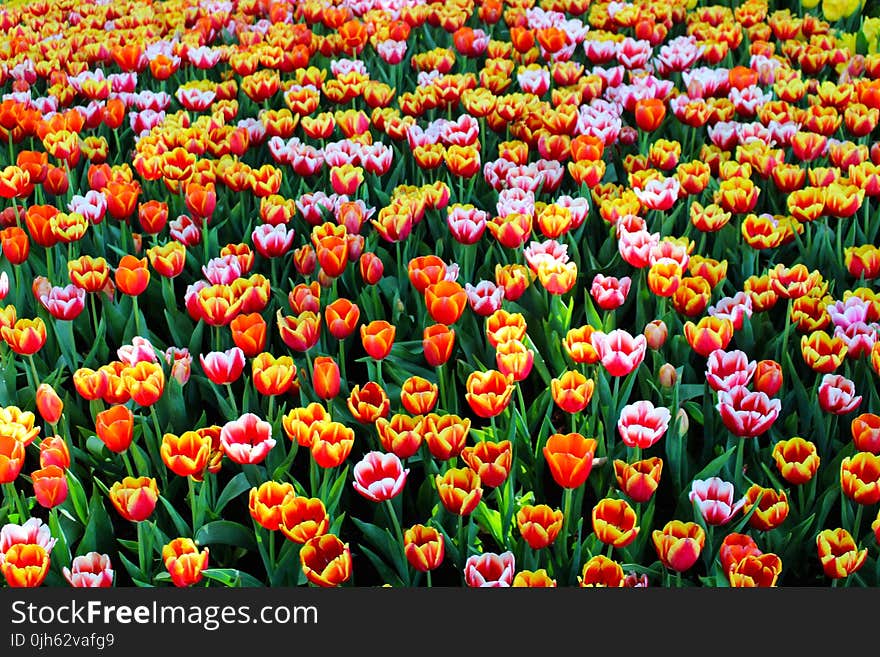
[429,578]
[15,501]
[271,417]
[857,523]
[342,358]
[192,503]
[392,516]
[94,313]
[36,376]
[232,399]
[566,515]
[137,316]
[127,461]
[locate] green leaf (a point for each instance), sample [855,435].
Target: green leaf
[226,532]
[99,530]
[236,486]
[180,525]
[232,577]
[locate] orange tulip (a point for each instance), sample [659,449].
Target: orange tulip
[341,318]
[135,498]
[326,560]
[25,337]
[679,544]
[638,480]
[572,391]
[459,490]
[184,561]
[115,428]
[445,435]
[649,113]
[601,571]
[325,377]
[492,461]
[331,443]
[50,486]
[423,547]
[297,424]
[771,511]
[488,392]
[839,553]
[145,382]
[446,301]
[49,404]
[614,522]
[437,343]
[249,333]
[377,338]
[25,565]
[539,524]
[570,458]
[12,455]
[796,459]
[369,403]
[418,395]
[273,376]
[303,518]
[185,455]
[267,501]
[132,275]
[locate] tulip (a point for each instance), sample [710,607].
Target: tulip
[12,454]
[185,455]
[25,336]
[267,502]
[709,334]
[50,486]
[572,391]
[614,522]
[418,395]
[638,480]
[619,352]
[247,440]
[610,293]
[223,367]
[641,425]
[249,333]
[331,443]
[714,499]
[755,571]
[377,338]
[303,518]
[797,460]
[379,477]
[271,375]
[860,478]
[734,548]
[326,378]
[445,301]
[54,451]
[838,553]
[132,275]
[115,428]
[679,544]
[539,524]
[492,461]
[91,570]
[601,571]
[771,511]
[649,113]
[489,570]
[837,395]
[459,490]
[369,403]
[25,565]
[488,392]
[747,414]
[423,547]
[865,431]
[445,435]
[184,561]
[437,343]
[135,498]
[570,458]
[341,318]
[326,560]
[401,435]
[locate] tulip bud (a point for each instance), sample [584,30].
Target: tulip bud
[655,333]
[683,420]
[668,375]
[49,404]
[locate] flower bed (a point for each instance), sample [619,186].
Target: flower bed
[439,293]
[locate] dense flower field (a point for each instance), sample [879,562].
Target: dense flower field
[506,292]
